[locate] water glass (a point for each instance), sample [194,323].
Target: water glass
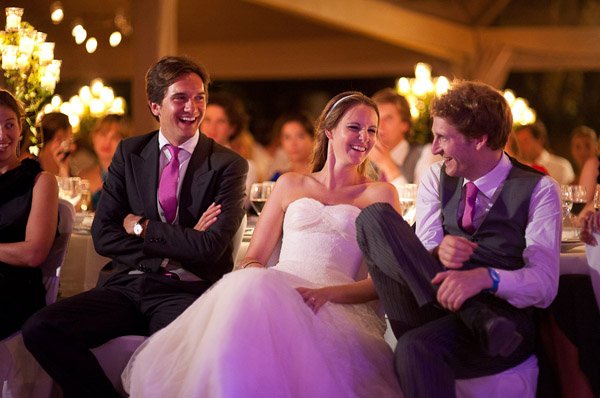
[408,199]
[259,193]
[566,197]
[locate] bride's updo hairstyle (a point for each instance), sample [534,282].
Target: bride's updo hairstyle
[333,112]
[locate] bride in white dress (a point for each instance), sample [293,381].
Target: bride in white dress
[306,327]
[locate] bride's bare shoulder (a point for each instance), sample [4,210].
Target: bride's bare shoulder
[378,191]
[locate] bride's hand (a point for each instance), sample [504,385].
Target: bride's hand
[315,298]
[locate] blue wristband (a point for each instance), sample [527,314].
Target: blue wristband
[495,280]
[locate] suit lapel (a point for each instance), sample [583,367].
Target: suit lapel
[145,172]
[197,183]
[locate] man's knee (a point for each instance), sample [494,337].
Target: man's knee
[374,214]
[37,328]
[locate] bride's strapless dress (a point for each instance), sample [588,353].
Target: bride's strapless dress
[252,335]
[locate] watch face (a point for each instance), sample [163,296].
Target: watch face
[137,229]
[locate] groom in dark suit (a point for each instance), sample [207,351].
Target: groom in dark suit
[149,223]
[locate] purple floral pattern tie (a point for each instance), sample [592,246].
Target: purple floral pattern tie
[466,221]
[167,187]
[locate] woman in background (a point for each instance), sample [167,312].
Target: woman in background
[105,136]
[297,136]
[28,221]
[57,134]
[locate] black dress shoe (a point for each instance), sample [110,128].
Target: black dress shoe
[499,336]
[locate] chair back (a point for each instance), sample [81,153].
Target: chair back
[238,237]
[592,254]
[56,257]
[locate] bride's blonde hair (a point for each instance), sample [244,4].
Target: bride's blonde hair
[331,115]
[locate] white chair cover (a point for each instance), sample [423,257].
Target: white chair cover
[593,258]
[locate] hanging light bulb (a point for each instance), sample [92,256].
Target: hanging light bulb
[91,45]
[115,38]
[56,12]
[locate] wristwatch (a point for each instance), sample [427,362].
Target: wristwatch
[138,228]
[495,280]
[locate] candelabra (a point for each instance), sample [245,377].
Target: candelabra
[420,90]
[29,67]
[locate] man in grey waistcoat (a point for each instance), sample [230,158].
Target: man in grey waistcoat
[459,294]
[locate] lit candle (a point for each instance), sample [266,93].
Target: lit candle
[23,61]
[27,41]
[13,18]
[46,52]
[9,57]
[47,82]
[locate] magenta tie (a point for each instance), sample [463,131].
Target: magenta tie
[167,188]
[466,221]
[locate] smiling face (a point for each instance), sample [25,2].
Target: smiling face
[182,108]
[354,135]
[460,154]
[216,125]
[296,142]
[10,131]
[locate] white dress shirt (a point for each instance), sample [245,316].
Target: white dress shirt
[558,167]
[536,283]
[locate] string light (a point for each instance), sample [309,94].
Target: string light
[56,12]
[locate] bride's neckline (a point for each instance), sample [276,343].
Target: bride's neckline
[323,204]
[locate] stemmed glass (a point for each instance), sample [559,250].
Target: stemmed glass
[69,188]
[566,197]
[259,193]
[597,198]
[579,198]
[408,200]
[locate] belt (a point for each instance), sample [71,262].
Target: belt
[179,274]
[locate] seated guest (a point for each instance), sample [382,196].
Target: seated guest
[397,160]
[303,328]
[149,222]
[225,120]
[297,136]
[532,140]
[28,220]
[584,146]
[105,136]
[459,294]
[589,178]
[57,135]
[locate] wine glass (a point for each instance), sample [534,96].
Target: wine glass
[69,188]
[408,200]
[597,198]
[566,197]
[579,198]
[259,193]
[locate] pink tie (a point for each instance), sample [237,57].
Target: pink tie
[167,188]
[466,220]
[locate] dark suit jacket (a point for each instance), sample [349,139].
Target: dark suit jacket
[214,174]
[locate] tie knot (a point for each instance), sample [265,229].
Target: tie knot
[173,150]
[472,191]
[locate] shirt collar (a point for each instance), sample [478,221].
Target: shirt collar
[488,183]
[187,146]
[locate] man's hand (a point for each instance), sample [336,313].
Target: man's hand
[458,286]
[208,218]
[455,250]
[129,222]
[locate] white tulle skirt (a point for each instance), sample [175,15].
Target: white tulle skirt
[252,335]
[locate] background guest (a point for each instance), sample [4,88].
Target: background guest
[105,136]
[57,136]
[584,145]
[297,136]
[224,121]
[397,160]
[28,220]
[532,141]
